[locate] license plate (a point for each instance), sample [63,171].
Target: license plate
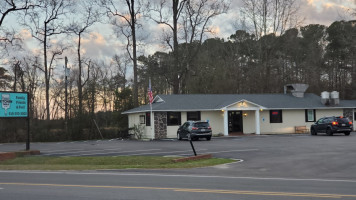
[202,129]
[343,124]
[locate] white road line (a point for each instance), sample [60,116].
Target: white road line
[216,152]
[60,150]
[82,150]
[166,152]
[117,152]
[197,150]
[241,150]
[175,175]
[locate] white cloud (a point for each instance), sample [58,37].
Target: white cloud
[325,12]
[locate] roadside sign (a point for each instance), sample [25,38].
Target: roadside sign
[13,104]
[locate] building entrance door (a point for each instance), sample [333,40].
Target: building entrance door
[235,122]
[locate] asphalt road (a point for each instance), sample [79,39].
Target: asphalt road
[124,185]
[273,167]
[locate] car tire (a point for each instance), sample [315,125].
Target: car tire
[313,132]
[179,137]
[329,132]
[347,133]
[208,138]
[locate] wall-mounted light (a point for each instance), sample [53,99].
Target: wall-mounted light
[222,110]
[245,114]
[261,109]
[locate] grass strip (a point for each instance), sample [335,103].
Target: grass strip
[104,162]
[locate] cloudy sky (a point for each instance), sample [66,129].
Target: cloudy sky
[102,43]
[311,11]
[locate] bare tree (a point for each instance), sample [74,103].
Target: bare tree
[190,21]
[121,63]
[196,19]
[32,81]
[10,6]
[45,23]
[88,16]
[271,16]
[4,78]
[126,19]
[162,13]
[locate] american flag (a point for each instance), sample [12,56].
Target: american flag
[150,95]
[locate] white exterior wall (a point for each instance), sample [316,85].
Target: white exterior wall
[328,113]
[172,131]
[248,122]
[183,117]
[216,120]
[135,119]
[292,118]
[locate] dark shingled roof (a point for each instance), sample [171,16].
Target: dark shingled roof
[200,102]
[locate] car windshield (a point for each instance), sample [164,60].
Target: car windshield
[343,120]
[201,124]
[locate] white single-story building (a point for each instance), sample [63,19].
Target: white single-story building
[239,113]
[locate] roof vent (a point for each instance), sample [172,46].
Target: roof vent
[296,89]
[334,98]
[330,98]
[325,98]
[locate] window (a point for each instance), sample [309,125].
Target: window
[320,121]
[148,119]
[309,115]
[275,116]
[142,119]
[355,116]
[327,120]
[185,126]
[173,119]
[193,116]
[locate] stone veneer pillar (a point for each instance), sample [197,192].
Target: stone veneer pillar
[160,125]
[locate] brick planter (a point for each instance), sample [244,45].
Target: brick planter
[7,156]
[12,155]
[198,157]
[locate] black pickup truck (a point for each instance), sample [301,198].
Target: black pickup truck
[331,125]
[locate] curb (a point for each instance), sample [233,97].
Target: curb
[198,157]
[12,155]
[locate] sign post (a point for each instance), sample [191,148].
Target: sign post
[16,105]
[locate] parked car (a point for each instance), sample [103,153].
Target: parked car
[331,125]
[193,130]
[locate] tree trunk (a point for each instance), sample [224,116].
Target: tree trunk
[134,53]
[80,88]
[175,47]
[47,71]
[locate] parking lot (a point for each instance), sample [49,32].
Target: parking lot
[296,155]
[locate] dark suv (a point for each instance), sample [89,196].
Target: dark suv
[331,125]
[193,130]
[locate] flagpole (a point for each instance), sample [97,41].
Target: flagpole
[151,115]
[152,123]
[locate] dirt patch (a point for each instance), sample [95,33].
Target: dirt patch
[12,155]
